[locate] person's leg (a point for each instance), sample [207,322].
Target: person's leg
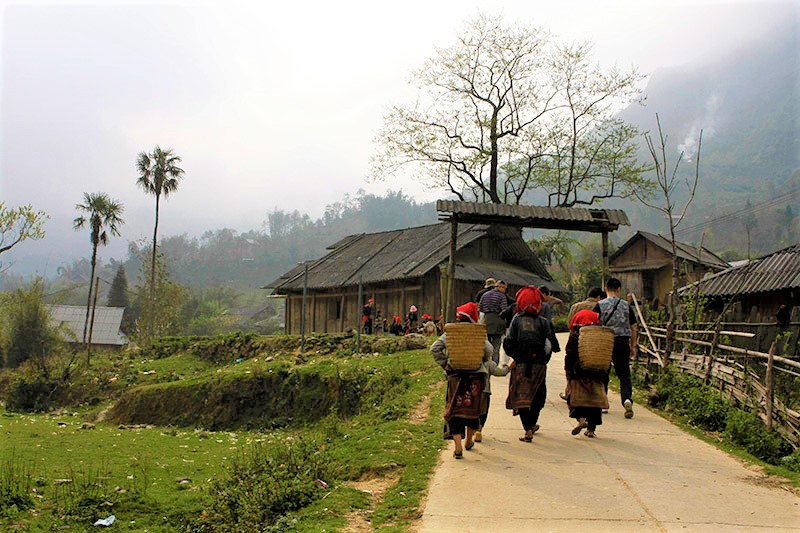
[495,340]
[622,367]
[528,423]
[479,432]
[457,430]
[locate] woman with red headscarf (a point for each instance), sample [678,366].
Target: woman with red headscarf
[586,396]
[526,345]
[468,393]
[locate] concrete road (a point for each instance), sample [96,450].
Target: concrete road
[642,474]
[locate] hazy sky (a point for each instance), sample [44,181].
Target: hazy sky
[268,106]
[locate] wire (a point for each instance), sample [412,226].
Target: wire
[766,204]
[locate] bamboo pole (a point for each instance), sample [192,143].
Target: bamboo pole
[451,270]
[770,383]
[712,349]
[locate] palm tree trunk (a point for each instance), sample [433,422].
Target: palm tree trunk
[89,298]
[153,258]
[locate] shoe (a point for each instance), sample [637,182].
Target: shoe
[468,446]
[562,396]
[628,405]
[605,411]
[478,437]
[526,438]
[535,429]
[458,455]
[582,424]
[589,433]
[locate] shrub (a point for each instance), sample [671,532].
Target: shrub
[792,461]
[747,430]
[30,334]
[265,484]
[31,392]
[560,324]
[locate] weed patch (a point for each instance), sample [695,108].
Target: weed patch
[703,407]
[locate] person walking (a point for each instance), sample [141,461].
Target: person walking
[491,305]
[615,313]
[468,393]
[586,392]
[525,344]
[592,297]
[366,316]
[487,286]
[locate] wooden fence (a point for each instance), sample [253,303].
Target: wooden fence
[764,383]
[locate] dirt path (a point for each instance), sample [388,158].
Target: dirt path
[642,474]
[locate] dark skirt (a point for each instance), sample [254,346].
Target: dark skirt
[465,402]
[526,386]
[586,399]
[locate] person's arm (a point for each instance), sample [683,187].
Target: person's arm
[438,349]
[634,331]
[510,342]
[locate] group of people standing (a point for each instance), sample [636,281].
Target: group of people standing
[523,327]
[412,323]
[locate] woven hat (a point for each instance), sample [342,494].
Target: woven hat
[490,282]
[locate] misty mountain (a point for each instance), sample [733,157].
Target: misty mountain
[746,103]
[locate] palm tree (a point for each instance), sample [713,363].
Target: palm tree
[102,217]
[159,175]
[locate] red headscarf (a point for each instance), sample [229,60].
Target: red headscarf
[529,300]
[469,310]
[584,318]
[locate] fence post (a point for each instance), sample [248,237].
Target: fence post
[714,342]
[770,393]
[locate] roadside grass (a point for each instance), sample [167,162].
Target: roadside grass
[157,478]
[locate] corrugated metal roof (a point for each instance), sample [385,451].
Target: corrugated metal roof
[402,254]
[777,271]
[107,321]
[514,276]
[537,216]
[685,251]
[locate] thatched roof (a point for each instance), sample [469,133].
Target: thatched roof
[413,252]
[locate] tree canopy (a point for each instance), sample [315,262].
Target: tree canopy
[507,109]
[19,224]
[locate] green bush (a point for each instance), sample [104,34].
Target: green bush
[29,392]
[705,408]
[265,484]
[792,461]
[560,324]
[30,335]
[747,430]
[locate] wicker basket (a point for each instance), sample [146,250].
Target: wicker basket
[466,344]
[595,346]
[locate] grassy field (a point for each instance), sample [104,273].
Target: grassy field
[159,478]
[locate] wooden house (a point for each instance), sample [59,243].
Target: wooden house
[759,287]
[644,265]
[401,268]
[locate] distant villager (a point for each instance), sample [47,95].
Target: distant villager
[397,326]
[491,304]
[366,316]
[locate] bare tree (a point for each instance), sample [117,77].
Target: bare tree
[505,110]
[674,210]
